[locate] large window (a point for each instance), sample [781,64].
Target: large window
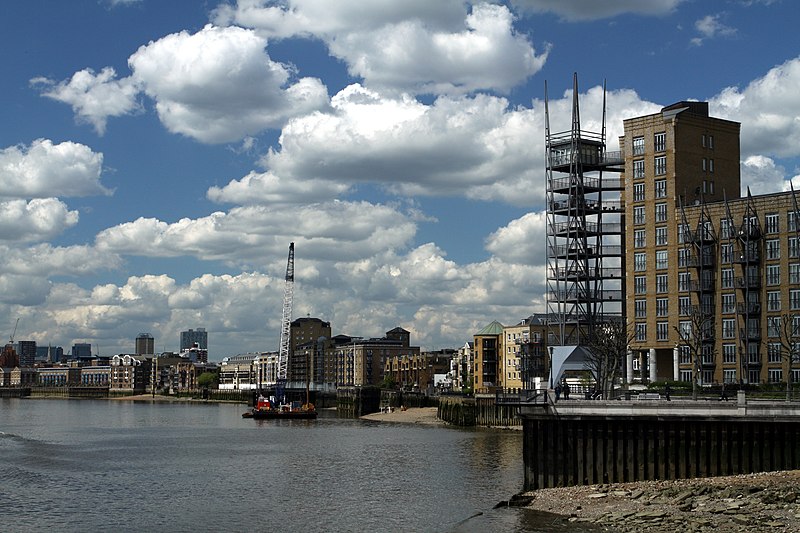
[640,308]
[794,299]
[729,354]
[662,331]
[791,220]
[662,284]
[726,253]
[728,303]
[640,285]
[660,141]
[773,326]
[661,236]
[638,168]
[794,273]
[661,212]
[726,278]
[773,301]
[640,261]
[771,223]
[641,332]
[684,279]
[725,228]
[661,188]
[684,305]
[639,238]
[638,145]
[773,274]
[661,259]
[638,192]
[774,352]
[773,249]
[728,328]
[660,164]
[662,306]
[638,214]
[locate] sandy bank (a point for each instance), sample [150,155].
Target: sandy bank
[414,415]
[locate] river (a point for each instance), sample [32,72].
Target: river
[102,465]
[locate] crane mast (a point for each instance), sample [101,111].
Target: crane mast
[283,353]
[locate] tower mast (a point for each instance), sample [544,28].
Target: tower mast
[283,353]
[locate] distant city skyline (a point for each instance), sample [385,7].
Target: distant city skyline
[157,158]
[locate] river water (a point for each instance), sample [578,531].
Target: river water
[101,465]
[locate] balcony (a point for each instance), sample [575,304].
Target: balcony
[752,308]
[698,236]
[703,285]
[747,257]
[748,282]
[705,260]
[749,232]
[750,333]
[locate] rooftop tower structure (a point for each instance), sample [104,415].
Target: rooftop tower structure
[585,236]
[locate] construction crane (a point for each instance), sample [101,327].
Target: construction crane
[13,333]
[286,320]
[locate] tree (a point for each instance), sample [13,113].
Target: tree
[607,349]
[207,379]
[696,335]
[787,327]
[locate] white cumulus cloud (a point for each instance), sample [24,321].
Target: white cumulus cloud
[580,10]
[37,220]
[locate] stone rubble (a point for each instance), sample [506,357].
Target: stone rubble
[743,503]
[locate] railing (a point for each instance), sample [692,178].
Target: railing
[748,282]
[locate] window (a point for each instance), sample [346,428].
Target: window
[726,278]
[725,228]
[773,301]
[638,145]
[662,284]
[726,253]
[794,299]
[773,326]
[641,332]
[794,273]
[661,212]
[703,140]
[684,306]
[640,261]
[640,308]
[728,303]
[638,168]
[774,352]
[686,375]
[794,251]
[661,236]
[661,259]
[638,214]
[683,230]
[771,223]
[773,249]
[662,331]
[662,306]
[684,279]
[660,141]
[685,331]
[773,275]
[775,375]
[660,164]
[711,141]
[728,376]
[791,220]
[729,354]
[640,285]
[638,192]
[711,168]
[683,257]
[639,238]
[661,188]
[705,164]
[728,328]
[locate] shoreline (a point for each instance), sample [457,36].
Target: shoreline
[768,501]
[424,416]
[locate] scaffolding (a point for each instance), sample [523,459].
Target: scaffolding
[585,230]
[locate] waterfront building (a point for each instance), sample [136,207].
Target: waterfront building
[191,336]
[27,353]
[523,364]
[307,339]
[5,376]
[488,348]
[59,376]
[25,376]
[130,373]
[419,372]
[678,157]
[96,376]
[461,366]
[145,344]
[362,362]
[243,371]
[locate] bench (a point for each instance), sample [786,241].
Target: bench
[648,396]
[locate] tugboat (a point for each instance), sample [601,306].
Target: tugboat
[266,409]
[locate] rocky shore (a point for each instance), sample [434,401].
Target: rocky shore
[744,503]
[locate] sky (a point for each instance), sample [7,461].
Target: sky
[157,158]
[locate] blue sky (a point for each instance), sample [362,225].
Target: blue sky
[156,158]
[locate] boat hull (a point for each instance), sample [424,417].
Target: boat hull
[274,414]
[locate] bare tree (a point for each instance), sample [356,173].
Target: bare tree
[788,334]
[607,349]
[695,334]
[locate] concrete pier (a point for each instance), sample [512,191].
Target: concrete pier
[580,443]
